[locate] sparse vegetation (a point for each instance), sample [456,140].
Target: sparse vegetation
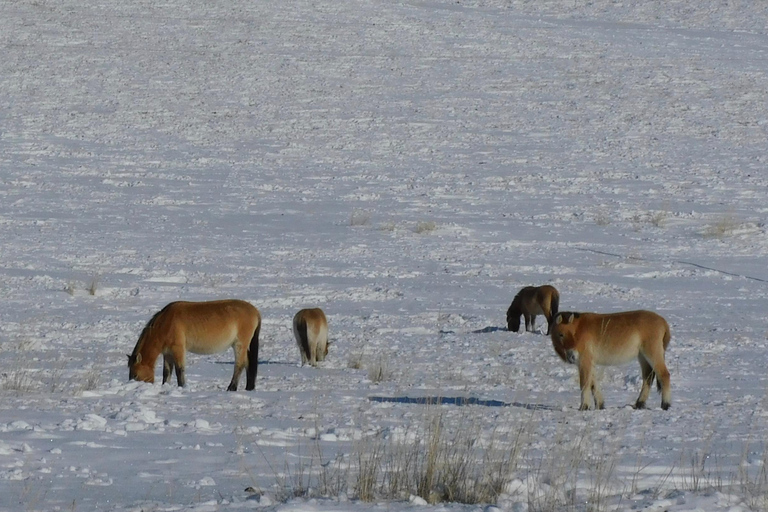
[424,227]
[659,218]
[722,227]
[93,286]
[90,380]
[70,288]
[359,218]
[428,461]
[379,370]
[17,380]
[602,219]
[355,360]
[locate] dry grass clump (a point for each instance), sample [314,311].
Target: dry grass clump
[722,227]
[379,370]
[424,227]
[436,465]
[439,463]
[359,218]
[20,381]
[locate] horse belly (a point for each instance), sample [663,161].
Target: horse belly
[211,344]
[618,351]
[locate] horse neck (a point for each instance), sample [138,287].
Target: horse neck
[149,353]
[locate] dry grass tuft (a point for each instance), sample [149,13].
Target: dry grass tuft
[424,227]
[722,227]
[360,218]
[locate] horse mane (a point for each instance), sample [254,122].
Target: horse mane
[145,332]
[518,299]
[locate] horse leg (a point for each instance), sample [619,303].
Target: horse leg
[647,372]
[585,381]
[168,367]
[662,378]
[178,357]
[253,360]
[599,402]
[313,353]
[527,318]
[241,361]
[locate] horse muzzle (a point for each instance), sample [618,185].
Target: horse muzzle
[572,356]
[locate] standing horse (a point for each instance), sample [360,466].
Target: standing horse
[201,328]
[613,339]
[532,301]
[310,327]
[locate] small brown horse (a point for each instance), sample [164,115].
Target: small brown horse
[310,327]
[201,328]
[532,301]
[613,339]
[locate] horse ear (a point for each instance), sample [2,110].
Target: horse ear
[138,358]
[559,319]
[570,318]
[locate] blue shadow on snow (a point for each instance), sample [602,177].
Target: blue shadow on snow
[455,400]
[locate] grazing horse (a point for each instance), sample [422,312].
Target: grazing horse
[310,328]
[201,328]
[532,301]
[592,338]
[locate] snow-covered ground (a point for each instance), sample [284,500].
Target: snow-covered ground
[407,166]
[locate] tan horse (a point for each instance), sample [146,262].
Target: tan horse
[532,301]
[613,339]
[310,327]
[201,328]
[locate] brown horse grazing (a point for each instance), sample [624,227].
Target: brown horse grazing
[201,328]
[591,338]
[532,301]
[310,327]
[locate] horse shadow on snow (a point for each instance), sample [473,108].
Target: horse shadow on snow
[456,400]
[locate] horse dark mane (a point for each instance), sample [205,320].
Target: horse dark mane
[518,299]
[145,332]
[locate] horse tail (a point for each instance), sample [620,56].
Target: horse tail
[665,342]
[513,316]
[301,330]
[253,359]
[554,306]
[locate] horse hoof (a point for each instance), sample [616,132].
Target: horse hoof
[665,405]
[640,405]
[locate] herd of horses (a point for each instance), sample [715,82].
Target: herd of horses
[586,339]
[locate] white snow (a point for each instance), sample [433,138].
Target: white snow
[407,166]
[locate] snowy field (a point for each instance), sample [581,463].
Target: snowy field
[407,166]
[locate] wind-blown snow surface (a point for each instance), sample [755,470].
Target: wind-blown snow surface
[407,166]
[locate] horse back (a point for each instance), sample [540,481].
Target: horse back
[212,326]
[313,322]
[616,338]
[549,298]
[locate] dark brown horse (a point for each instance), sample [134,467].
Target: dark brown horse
[532,301]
